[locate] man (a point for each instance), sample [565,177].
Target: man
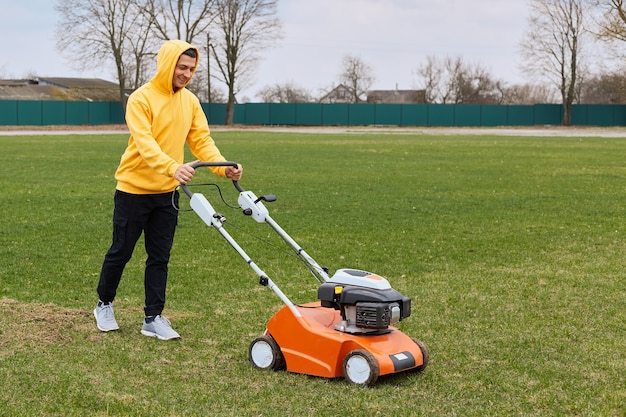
[162,116]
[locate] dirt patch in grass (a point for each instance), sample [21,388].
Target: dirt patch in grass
[37,326]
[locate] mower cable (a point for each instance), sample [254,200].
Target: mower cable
[219,190]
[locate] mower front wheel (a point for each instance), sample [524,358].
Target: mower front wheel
[424,351]
[360,367]
[264,353]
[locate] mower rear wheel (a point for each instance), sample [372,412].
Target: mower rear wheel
[360,367]
[264,353]
[424,351]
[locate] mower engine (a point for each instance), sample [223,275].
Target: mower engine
[367,302]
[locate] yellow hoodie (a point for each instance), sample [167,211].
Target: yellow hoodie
[160,121]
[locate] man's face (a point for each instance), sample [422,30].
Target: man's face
[183,71]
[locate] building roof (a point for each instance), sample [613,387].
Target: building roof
[57,88]
[396,96]
[339,94]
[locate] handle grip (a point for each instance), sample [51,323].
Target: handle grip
[212,164]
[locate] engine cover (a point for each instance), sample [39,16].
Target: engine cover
[366,301]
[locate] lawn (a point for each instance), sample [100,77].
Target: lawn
[511,248]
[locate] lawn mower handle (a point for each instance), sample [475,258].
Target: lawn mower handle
[212,164]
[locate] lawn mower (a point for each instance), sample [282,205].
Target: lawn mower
[346,333]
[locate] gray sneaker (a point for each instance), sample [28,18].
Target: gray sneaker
[105,320]
[159,327]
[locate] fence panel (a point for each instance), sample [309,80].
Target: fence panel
[361,114]
[548,114]
[282,114]
[257,114]
[600,115]
[37,113]
[8,113]
[29,113]
[388,114]
[240,114]
[494,115]
[53,113]
[215,112]
[117,113]
[441,115]
[77,112]
[308,114]
[467,115]
[619,115]
[414,114]
[335,114]
[99,113]
[520,115]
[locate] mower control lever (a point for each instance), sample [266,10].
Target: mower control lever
[270,198]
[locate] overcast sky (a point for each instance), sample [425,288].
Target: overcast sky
[393,37]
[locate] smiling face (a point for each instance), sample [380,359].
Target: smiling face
[183,72]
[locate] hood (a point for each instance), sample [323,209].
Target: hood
[166,63]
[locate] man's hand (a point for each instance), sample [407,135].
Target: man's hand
[234,173]
[184,173]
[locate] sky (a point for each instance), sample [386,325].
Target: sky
[393,37]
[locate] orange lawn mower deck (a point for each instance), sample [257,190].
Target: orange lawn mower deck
[347,333]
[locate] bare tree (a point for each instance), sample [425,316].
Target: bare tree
[609,17]
[453,68]
[612,22]
[93,33]
[609,88]
[244,28]
[431,73]
[357,76]
[451,80]
[529,94]
[141,53]
[553,46]
[187,20]
[285,93]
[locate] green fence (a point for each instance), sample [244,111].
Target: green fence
[450,115]
[43,113]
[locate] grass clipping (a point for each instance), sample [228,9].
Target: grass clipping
[37,326]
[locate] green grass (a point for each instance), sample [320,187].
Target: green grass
[512,249]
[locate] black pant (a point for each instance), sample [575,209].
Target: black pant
[156,217]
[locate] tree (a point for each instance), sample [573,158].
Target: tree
[187,20]
[553,46]
[475,85]
[612,24]
[529,94]
[451,80]
[610,27]
[285,93]
[609,88]
[357,76]
[93,33]
[431,73]
[244,28]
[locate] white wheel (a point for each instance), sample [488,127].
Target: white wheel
[360,367]
[264,353]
